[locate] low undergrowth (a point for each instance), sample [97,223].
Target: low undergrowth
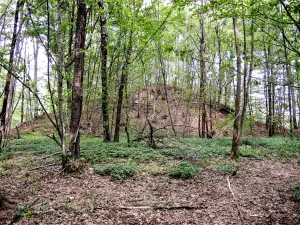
[295,189]
[183,170]
[119,157]
[227,167]
[117,171]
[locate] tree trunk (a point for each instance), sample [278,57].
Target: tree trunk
[23,95]
[247,78]
[50,90]
[290,91]
[60,86]
[123,83]
[35,54]
[238,103]
[77,90]
[7,87]
[203,82]
[105,110]
[70,51]
[268,93]
[163,70]
[221,74]
[11,96]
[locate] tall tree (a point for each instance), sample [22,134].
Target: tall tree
[203,85]
[60,85]
[104,107]
[9,78]
[77,88]
[238,102]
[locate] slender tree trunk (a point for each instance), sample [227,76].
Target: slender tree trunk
[271,97]
[221,74]
[268,93]
[290,82]
[238,103]
[163,70]
[35,54]
[60,86]
[203,84]
[294,105]
[23,94]
[11,96]
[7,87]
[105,110]
[51,92]
[298,82]
[247,77]
[123,83]
[70,51]
[77,90]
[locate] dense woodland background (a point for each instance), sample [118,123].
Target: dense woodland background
[154,72]
[70,60]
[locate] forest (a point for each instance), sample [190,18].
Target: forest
[150,112]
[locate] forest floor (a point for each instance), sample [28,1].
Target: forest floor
[265,173]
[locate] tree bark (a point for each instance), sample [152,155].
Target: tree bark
[60,86]
[35,54]
[70,52]
[291,96]
[221,74]
[23,95]
[238,103]
[105,110]
[203,83]
[7,87]
[77,90]
[163,70]
[247,76]
[123,83]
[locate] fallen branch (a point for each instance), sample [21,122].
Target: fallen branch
[187,207]
[48,156]
[236,203]
[38,167]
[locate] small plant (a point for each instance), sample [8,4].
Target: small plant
[295,192]
[184,170]
[24,211]
[227,168]
[117,171]
[5,155]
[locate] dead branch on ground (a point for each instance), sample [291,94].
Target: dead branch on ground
[187,207]
[236,203]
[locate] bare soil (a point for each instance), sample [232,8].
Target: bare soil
[261,188]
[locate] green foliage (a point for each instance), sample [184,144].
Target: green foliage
[227,167]
[5,154]
[24,211]
[95,151]
[253,152]
[44,207]
[117,171]
[295,189]
[38,145]
[210,148]
[276,146]
[183,170]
